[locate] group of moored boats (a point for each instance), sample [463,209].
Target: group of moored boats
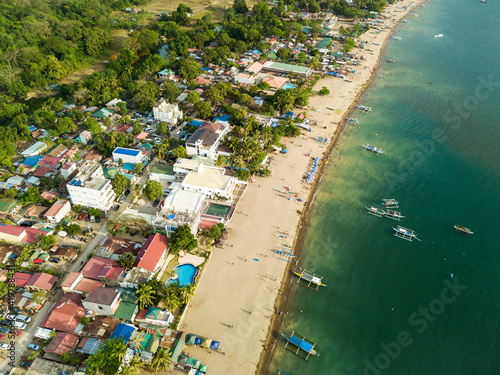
[402,232]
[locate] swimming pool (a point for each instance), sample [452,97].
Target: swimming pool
[289,86]
[219,210]
[185,274]
[129,166]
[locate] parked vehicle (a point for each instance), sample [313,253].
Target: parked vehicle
[87,217]
[92,219]
[23,318]
[80,217]
[117,207]
[155,203]
[4,346]
[19,325]
[122,199]
[127,192]
[97,219]
[55,260]
[4,330]
[10,316]
[34,347]
[25,364]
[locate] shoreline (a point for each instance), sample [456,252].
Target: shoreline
[282,301]
[245,282]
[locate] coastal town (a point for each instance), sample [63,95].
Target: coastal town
[152,231]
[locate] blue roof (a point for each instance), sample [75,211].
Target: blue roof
[256,51]
[32,128]
[32,160]
[126,151]
[123,331]
[206,69]
[196,123]
[168,72]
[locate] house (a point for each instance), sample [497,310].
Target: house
[103,301]
[276,67]
[84,137]
[114,103]
[101,328]
[275,83]
[112,247]
[123,331]
[17,234]
[35,212]
[155,316]
[244,78]
[165,74]
[32,181]
[35,149]
[127,155]
[153,253]
[101,269]
[76,283]
[254,68]
[209,181]
[52,162]
[41,282]
[67,169]
[89,345]
[58,211]
[89,188]
[57,151]
[164,111]
[61,343]
[66,253]
[42,171]
[206,139]
[102,113]
[21,279]
[8,252]
[65,315]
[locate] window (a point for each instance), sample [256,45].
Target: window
[100,307]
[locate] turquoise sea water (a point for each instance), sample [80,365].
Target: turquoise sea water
[391,306]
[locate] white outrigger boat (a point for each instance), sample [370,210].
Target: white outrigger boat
[376,211]
[393,215]
[462,229]
[363,108]
[405,234]
[373,149]
[390,203]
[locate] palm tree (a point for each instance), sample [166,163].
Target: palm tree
[133,367]
[162,151]
[172,297]
[161,360]
[145,296]
[221,161]
[188,293]
[117,348]
[137,341]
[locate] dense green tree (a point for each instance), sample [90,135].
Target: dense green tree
[126,260]
[120,183]
[179,152]
[162,128]
[170,91]
[153,190]
[146,96]
[182,239]
[324,91]
[73,229]
[161,360]
[203,109]
[93,126]
[188,68]
[108,358]
[240,6]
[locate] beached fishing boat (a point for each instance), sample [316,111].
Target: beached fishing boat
[396,37]
[393,215]
[376,211]
[405,233]
[390,61]
[438,36]
[373,149]
[308,278]
[390,203]
[462,229]
[321,139]
[302,344]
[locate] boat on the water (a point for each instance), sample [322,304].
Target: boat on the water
[352,120]
[301,343]
[363,108]
[376,211]
[393,215]
[390,61]
[438,36]
[308,278]
[405,233]
[396,37]
[462,229]
[373,149]
[390,203]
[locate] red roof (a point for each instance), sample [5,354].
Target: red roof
[13,230]
[151,252]
[24,234]
[56,207]
[49,195]
[61,343]
[21,278]
[66,314]
[32,235]
[50,161]
[42,281]
[98,267]
[41,171]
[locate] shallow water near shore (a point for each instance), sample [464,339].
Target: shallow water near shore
[436,115]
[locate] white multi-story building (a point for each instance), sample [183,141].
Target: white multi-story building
[90,189]
[206,139]
[167,112]
[127,155]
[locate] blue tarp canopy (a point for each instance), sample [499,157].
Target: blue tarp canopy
[197,341]
[196,123]
[32,160]
[305,346]
[256,51]
[123,331]
[214,345]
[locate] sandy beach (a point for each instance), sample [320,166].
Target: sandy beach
[244,283]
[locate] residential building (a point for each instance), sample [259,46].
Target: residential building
[84,137]
[67,169]
[244,78]
[17,234]
[75,282]
[65,315]
[206,139]
[164,111]
[61,343]
[254,68]
[165,74]
[35,149]
[127,155]
[112,247]
[275,83]
[155,316]
[114,103]
[58,211]
[301,71]
[153,253]
[103,301]
[210,181]
[41,281]
[90,189]
[102,269]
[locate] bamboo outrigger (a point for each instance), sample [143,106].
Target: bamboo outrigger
[390,203]
[302,344]
[310,278]
[463,230]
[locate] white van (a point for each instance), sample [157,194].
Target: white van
[19,325]
[23,318]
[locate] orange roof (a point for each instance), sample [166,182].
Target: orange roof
[275,82]
[56,207]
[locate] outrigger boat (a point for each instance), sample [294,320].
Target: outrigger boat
[405,234]
[352,120]
[309,278]
[376,211]
[390,60]
[462,229]
[396,37]
[301,343]
[438,36]
[363,108]
[390,203]
[373,149]
[393,215]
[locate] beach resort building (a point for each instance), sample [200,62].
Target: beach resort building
[275,67]
[90,189]
[209,181]
[206,139]
[164,111]
[127,155]
[153,253]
